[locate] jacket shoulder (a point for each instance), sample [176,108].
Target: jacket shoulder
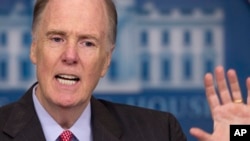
[151,123]
[136,111]
[5,112]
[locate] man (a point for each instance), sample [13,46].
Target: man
[72,46]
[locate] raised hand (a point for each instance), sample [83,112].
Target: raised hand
[227,106]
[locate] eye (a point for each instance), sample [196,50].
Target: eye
[88,44]
[57,39]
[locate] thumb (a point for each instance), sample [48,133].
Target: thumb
[200,134]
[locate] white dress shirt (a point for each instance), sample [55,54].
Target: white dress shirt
[52,130]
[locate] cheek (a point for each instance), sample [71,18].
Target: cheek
[94,66]
[45,61]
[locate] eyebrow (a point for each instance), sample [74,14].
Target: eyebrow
[62,33]
[88,37]
[55,32]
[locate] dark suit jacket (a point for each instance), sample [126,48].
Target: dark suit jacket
[110,122]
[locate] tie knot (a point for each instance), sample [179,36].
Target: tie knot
[66,136]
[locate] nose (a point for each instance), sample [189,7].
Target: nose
[70,55]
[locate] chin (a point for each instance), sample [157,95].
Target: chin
[66,105]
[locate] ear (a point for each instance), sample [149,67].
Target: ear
[33,52]
[107,61]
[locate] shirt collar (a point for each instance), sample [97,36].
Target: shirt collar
[81,128]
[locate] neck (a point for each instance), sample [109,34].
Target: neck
[64,116]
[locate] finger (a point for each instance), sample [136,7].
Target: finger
[222,85]
[200,134]
[234,85]
[248,90]
[211,95]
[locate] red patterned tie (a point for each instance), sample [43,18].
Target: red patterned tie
[66,136]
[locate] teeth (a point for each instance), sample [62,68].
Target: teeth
[66,82]
[68,76]
[67,79]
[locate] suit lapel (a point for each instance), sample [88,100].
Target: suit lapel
[105,126]
[23,123]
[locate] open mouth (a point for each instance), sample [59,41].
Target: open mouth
[67,79]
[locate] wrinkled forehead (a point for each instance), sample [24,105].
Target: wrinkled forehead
[78,12]
[75,4]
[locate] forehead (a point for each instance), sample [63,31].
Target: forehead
[75,15]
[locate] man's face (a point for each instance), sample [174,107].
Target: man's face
[71,51]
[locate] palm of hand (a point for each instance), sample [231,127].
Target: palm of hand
[226,115]
[228,110]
